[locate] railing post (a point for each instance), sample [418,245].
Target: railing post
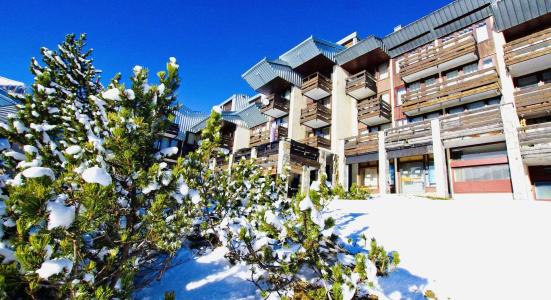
[519,175]
[439,160]
[383,164]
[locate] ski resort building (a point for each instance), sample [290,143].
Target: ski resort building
[456,103]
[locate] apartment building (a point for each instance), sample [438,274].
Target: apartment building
[456,103]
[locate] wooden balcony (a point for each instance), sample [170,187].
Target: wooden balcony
[535,143]
[450,54]
[464,89]
[303,155]
[262,137]
[478,126]
[244,153]
[316,86]
[277,106]
[317,142]
[529,54]
[374,111]
[315,115]
[226,141]
[361,85]
[409,135]
[362,144]
[534,102]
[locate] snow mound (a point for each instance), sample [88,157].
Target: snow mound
[54,266]
[72,150]
[111,94]
[60,215]
[96,175]
[34,172]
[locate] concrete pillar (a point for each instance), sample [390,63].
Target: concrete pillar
[396,177]
[519,177]
[254,153]
[383,165]
[343,109]
[296,131]
[439,152]
[283,155]
[354,171]
[342,169]
[230,162]
[305,179]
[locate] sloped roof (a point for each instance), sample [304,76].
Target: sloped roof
[362,47]
[510,13]
[7,106]
[186,119]
[310,48]
[239,101]
[248,117]
[267,70]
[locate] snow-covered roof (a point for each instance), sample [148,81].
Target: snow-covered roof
[10,85]
[248,117]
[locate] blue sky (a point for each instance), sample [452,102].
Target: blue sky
[214,41]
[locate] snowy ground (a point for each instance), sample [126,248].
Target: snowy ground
[484,249]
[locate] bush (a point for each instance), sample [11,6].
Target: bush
[383,261]
[355,192]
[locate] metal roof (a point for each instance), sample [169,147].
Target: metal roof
[248,117]
[7,106]
[362,47]
[446,20]
[239,101]
[310,48]
[267,70]
[186,119]
[510,13]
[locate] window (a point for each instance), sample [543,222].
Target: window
[415,119]
[433,115]
[482,173]
[398,62]
[543,189]
[456,110]
[399,94]
[470,68]
[430,81]
[487,63]
[528,81]
[452,74]
[481,32]
[546,76]
[374,129]
[414,86]
[383,71]
[475,105]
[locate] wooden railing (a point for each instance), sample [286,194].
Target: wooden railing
[275,102]
[362,144]
[373,108]
[462,86]
[263,136]
[242,153]
[226,141]
[528,47]
[409,135]
[304,154]
[315,81]
[533,101]
[315,111]
[359,81]
[473,123]
[535,140]
[431,57]
[318,142]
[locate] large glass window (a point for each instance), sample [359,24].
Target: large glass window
[482,173]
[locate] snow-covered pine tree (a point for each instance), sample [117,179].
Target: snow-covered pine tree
[89,199]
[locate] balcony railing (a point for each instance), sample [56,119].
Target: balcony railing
[318,142]
[277,106]
[315,115]
[534,102]
[267,157]
[374,111]
[226,141]
[467,88]
[362,144]
[316,86]
[478,123]
[361,85]
[244,153]
[263,136]
[449,54]
[409,135]
[535,142]
[529,47]
[301,154]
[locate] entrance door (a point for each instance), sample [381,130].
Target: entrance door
[371,178]
[412,179]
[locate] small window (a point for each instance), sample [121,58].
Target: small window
[481,32]
[475,105]
[399,95]
[493,101]
[487,63]
[546,76]
[383,71]
[456,110]
[452,74]
[433,115]
[470,68]
[374,129]
[430,81]
[528,81]
[414,86]
[415,119]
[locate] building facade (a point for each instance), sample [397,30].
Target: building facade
[456,103]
